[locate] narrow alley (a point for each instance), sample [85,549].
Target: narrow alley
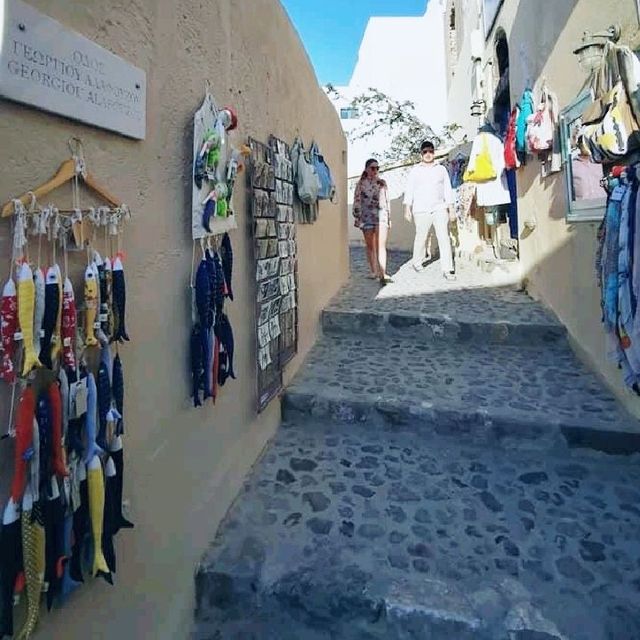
[439,474]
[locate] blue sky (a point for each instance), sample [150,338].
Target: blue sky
[332,30]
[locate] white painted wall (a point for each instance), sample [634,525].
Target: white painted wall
[403,57]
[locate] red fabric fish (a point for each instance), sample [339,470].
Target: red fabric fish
[57,463]
[24,442]
[69,320]
[8,328]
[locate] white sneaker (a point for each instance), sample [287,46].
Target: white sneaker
[451,276]
[419,267]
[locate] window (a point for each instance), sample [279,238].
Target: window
[586,199]
[453,42]
[348,113]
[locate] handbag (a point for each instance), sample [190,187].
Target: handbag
[541,125]
[608,123]
[327,189]
[482,169]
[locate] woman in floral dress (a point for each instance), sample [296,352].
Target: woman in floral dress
[371,212]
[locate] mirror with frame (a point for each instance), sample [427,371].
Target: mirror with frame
[586,198]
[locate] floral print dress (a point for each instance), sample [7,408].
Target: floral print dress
[371,204]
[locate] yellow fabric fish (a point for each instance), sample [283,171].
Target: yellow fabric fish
[56,346]
[95,481]
[26,302]
[33,553]
[91,305]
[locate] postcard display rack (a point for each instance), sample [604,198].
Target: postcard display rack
[275,247]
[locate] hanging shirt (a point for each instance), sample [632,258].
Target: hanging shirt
[586,180]
[496,191]
[428,188]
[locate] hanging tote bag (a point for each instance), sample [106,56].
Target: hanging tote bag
[305,176]
[526,110]
[609,125]
[327,189]
[482,168]
[541,125]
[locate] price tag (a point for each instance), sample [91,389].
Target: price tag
[17,336]
[42,333]
[96,325]
[618,193]
[66,342]
[104,317]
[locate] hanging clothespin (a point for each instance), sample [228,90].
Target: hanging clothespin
[202,248]
[57,225]
[114,222]
[104,216]
[93,216]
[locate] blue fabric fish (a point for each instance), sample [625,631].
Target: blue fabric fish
[117,389]
[104,403]
[227,263]
[219,285]
[224,333]
[203,308]
[197,369]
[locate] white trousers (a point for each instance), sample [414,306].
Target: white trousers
[424,221]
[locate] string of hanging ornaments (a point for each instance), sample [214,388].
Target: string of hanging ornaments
[67,425]
[216,165]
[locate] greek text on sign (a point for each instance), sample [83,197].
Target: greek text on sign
[48,66]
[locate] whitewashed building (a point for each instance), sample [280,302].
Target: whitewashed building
[403,57]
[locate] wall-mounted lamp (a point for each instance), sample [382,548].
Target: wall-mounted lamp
[592,47]
[478,108]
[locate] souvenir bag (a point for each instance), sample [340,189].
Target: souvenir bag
[481,169]
[609,125]
[327,187]
[541,125]
[526,110]
[511,160]
[306,178]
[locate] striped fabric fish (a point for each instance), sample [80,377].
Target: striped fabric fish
[69,325]
[117,455]
[119,294]
[226,253]
[103,386]
[51,307]
[56,344]
[91,305]
[8,328]
[92,448]
[107,323]
[38,313]
[26,302]
[33,554]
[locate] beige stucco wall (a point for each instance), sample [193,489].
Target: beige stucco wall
[183,466]
[557,258]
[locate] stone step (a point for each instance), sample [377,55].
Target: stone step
[439,327]
[365,534]
[540,395]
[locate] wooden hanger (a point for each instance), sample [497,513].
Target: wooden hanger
[66,171]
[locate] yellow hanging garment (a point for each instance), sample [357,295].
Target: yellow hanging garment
[482,169]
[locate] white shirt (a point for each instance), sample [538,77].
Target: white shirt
[496,191]
[428,188]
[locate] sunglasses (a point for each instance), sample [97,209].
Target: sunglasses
[428,151]
[374,168]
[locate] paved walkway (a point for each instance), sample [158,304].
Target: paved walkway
[425,484]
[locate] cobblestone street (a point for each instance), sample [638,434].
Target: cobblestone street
[426,481]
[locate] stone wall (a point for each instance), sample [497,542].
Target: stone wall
[184,466]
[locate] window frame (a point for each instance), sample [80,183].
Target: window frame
[589,210]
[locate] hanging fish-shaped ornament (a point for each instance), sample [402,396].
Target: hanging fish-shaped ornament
[69,326]
[33,555]
[91,305]
[226,254]
[95,481]
[57,459]
[117,391]
[108,522]
[106,314]
[80,524]
[117,455]
[39,283]
[119,301]
[51,304]
[10,564]
[24,442]
[104,403]
[56,343]
[92,448]
[8,329]
[53,515]
[26,303]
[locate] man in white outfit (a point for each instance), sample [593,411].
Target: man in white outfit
[428,197]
